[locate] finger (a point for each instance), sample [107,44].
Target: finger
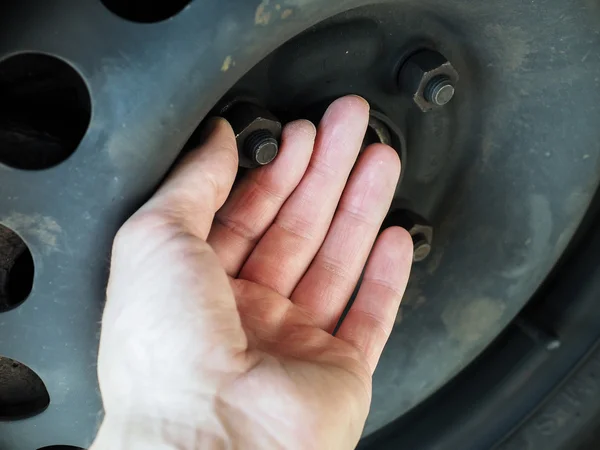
[200,183]
[370,320]
[326,287]
[255,202]
[287,248]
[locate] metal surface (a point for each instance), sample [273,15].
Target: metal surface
[528,390]
[511,163]
[428,78]
[379,131]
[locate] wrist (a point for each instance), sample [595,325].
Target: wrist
[137,433]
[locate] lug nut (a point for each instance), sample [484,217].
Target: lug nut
[422,248]
[429,79]
[257,133]
[439,91]
[261,147]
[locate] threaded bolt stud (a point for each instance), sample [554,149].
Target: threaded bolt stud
[261,147]
[439,90]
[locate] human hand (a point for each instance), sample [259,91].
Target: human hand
[217,331]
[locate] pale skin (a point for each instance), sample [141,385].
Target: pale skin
[222,300]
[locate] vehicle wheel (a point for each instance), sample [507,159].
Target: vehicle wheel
[492,107]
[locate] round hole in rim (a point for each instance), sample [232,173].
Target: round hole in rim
[61,447]
[144,11]
[22,392]
[16,270]
[44,113]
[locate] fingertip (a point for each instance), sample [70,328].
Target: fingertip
[218,128]
[211,126]
[222,125]
[396,239]
[215,122]
[302,127]
[297,144]
[352,103]
[360,99]
[385,156]
[349,109]
[219,135]
[395,245]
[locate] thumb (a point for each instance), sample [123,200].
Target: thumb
[201,182]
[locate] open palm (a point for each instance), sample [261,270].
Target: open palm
[222,304]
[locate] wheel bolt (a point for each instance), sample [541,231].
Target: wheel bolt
[261,147]
[439,90]
[421,247]
[429,79]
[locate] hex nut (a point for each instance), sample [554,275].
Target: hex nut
[246,119]
[421,247]
[421,69]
